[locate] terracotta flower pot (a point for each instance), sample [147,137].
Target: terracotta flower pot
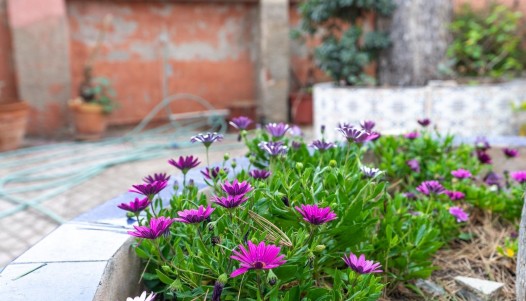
[89,120]
[301,108]
[13,122]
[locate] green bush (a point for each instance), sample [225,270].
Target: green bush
[345,49]
[487,43]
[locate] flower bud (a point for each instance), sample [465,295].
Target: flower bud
[245,237]
[176,185]
[191,183]
[166,269]
[234,163]
[285,201]
[299,166]
[211,226]
[319,248]
[222,172]
[322,129]
[130,215]
[226,156]
[272,279]
[223,278]
[218,287]
[333,163]
[215,240]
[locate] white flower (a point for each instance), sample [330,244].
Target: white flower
[142,297]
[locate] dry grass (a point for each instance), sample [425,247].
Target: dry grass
[477,258]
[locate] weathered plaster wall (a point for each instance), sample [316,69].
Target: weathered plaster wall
[203,49]
[7,76]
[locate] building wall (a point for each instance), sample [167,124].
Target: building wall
[7,76]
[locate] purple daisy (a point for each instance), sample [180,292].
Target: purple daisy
[273,148]
[241,123]
[135,206]
[194,216]
[260,257]
[277,130]
[455,195]
[236,188]
[213,173]
[207,139]
[352,134]
[484,158]
[160,177]
[430,187]
[158,226]
[492,179]
[461,174]
[482,144]
[315,215]
[321,145]
[459,214]
[373,136]
[296,131]
[519,176]
[149,189]
[510,152]
[370,172]
[412,135]
[414,165]
[424,122]
[259,174]
[362,266]
[184,164]
[367,125]
[230,201]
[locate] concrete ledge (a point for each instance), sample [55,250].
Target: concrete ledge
[87,259]
[463,110]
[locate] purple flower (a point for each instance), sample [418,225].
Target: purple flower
[236,188]
[194,216]
[296,131]
[461,174]
[484,158]
[352,134]
[160,177]
[230,201]
[321,145]
[273,148]
[414,165]
[510,152]
[370,172]
[184,164]
[213,173]
[482,144]
[409,195]
[362,266]
[367,125]
[135,206]
[430,187]
[158,226]
[492,179]
[412,135]
[277,130]
[241,123]
[295,145]
[149,189]
[207,139]
[459,214]
[519,176]
[315,215]
[373,136]
[455,195]
[260,257]
[259,174]
[424,122]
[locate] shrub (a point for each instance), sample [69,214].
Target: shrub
[346,49]
[487,43]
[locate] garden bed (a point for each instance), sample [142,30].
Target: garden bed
[311,208]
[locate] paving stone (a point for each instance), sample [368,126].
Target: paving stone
[484,288]
[72,281]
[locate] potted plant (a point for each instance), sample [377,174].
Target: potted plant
[91,108]
[13,122]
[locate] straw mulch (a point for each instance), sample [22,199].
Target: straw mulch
[477,258]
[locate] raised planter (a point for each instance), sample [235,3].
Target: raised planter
[462,110]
